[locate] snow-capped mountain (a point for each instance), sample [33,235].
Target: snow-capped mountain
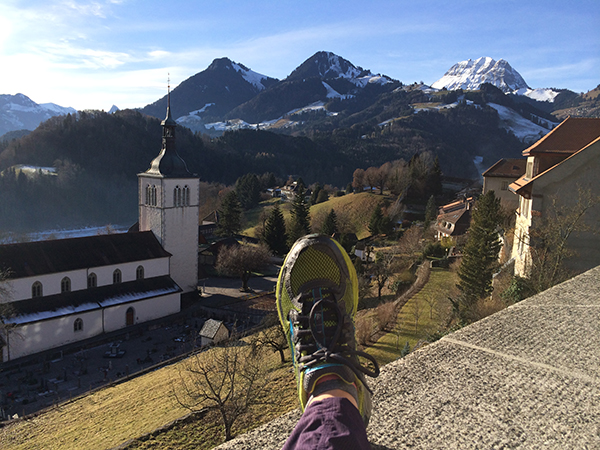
[469,75]
[212,93]
[19,112]
[322,78]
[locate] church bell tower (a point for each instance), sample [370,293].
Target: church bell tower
[168,198]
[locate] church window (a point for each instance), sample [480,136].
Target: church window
[177,196]
[78,325]
[65,285]
[147,196]
[186,195]
[139,273]
[92,280]
[37,290]
[117,276]
[153,201]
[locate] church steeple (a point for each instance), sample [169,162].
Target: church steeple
[168,163]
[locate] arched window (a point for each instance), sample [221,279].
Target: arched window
[186,195]
[78,325]
[37,290]
[92,280]
[148,194]
[117,276]
[153,202]
[139,273]
[177,196]
[130,316]
[65,285]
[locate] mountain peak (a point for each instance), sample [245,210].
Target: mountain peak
[326,65]
[469,75]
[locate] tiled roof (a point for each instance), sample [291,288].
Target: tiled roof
[48,307]
[571,135]
[44,257]
[508,168]
[522,186]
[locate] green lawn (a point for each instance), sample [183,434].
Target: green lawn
[417,309]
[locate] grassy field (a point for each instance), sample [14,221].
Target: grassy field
[353,209]
[428,319]
[111,416]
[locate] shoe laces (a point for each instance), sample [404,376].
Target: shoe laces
[323,334]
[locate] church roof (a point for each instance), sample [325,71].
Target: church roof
[76,302]
[29,259]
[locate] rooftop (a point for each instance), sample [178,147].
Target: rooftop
[507,168]
[29,259]
[525,377]
[571,135]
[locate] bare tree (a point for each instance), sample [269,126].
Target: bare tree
[385,314]
[549,241]
[417,311]
[241,260]
[431,300]
[271,336]
[230,380]
[382,270]
[358,180]
[372,177]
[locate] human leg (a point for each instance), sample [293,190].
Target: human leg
[317,298]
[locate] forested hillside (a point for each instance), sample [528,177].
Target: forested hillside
[97,156]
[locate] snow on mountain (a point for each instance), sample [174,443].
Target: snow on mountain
[541,94]
[250,76]
[469,75]
[523,129]
[19,112]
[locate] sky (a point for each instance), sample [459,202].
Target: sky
[92,54]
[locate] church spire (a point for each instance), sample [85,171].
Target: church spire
[168,163]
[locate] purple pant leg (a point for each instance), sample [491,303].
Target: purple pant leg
[330,424]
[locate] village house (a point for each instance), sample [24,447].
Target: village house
[498,177]
[63,291]
[560,166]
[454,218]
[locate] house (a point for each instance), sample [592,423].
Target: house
[498,177]
[454,218]
[68,290]
[289,191]
[559,166]
[212,332]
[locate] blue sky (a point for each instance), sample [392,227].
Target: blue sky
[91,54]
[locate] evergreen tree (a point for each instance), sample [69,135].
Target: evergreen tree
[330,226]
[230,219]
[375,222]
[480,255]
[300,216]
[315,194]
[275,235]
[247,188]
[430,212]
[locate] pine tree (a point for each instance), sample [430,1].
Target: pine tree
[230,219]
[300,216]
[247,188]
[375,222]
[330,226]
[275,235]
[480,255]
[430,212]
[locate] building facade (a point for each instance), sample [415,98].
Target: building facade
[560,168]
[62,291]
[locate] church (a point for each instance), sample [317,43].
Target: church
[62,291]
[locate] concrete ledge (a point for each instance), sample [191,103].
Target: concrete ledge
[526,377]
